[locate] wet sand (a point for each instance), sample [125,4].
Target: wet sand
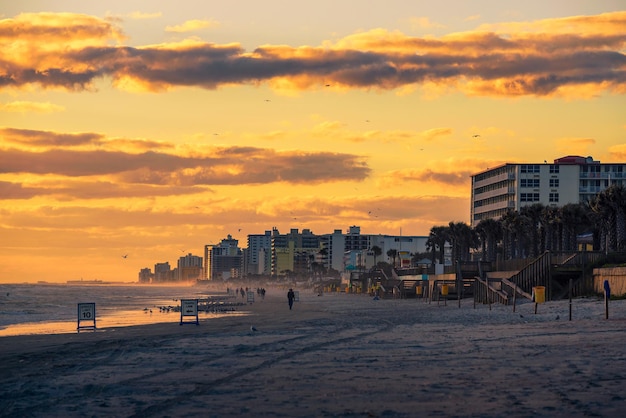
[337,355]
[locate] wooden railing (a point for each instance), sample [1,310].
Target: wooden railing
[511,289]
[485,292]
[537,273]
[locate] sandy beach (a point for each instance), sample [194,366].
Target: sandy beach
[336,355]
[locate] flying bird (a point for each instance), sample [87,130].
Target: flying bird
[475,136]
[125,256]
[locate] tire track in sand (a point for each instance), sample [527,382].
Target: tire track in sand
[206,388]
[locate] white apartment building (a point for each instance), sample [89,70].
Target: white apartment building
[570,179]
[259,253]
[347,251]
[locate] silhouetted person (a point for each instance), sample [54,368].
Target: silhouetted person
[290,297]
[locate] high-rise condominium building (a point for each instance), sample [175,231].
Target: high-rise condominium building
[570,179]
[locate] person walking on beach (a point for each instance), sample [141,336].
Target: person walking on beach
[290,297]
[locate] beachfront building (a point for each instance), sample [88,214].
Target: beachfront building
[189,268]
[223,261]
[294,253]
[258,255]
[163,273]
[306,254]
[145,275]
[334,248]
[405,246]
[570,179]
[353,250]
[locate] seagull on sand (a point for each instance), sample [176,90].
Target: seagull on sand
[253,328]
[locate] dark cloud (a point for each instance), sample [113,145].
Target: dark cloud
[50,139]
[47,138]
[88,163]
[254,166]
[10,190]
[520,64]
[69,190]
[452,178]
[456,178]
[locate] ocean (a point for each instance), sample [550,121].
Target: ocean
[53,308]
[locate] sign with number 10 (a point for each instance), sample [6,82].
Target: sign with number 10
[86,312]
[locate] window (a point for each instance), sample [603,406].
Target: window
[554,169]
[529,197]
[554,183]
[529,183]
[554,198]
[529,168]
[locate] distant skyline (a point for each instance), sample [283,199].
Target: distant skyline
[144,128]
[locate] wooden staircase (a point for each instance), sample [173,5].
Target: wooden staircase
[551,270]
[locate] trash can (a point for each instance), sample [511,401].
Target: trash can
[539,294]
[444,290]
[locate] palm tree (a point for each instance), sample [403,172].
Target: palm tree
[533,216]
[574,217]
[610,205]
[393,254]
[550,221]
[377,251]
[462,238]
[436,242]
[490,233]
[510,222]
[323,252]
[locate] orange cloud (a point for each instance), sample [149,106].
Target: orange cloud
[424,23]
[192,25]
[89,156]
[451,178]
[574,146]
[552,57]
[27,107]
[434,133]
[617,152]
[453,172]
[142,15]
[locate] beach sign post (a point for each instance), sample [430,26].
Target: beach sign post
[189,308]
[250,296]
[86,313]
[296,296]
[607,297]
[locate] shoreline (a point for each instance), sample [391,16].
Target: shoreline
[333,355]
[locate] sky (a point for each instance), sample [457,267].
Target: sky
[149,129]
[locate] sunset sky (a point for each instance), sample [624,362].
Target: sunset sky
[152,128]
